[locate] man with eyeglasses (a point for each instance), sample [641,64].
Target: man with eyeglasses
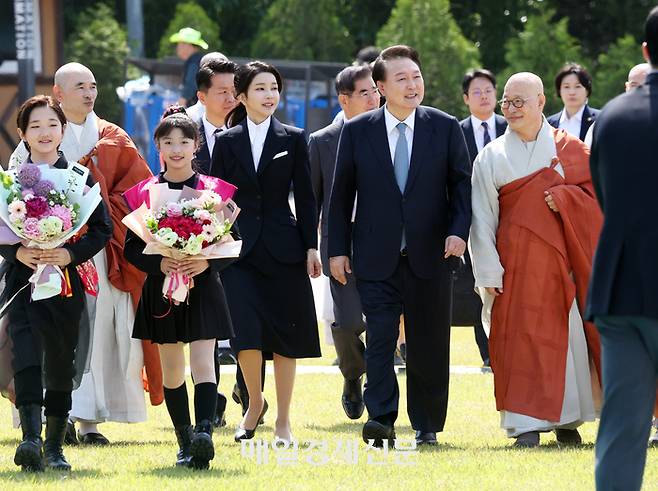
[535,225]
[357,93]
[480,128]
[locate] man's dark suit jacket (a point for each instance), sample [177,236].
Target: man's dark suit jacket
[436,201]
[263,196]
[589,116]
[322,149]
[469,135]
[624,165]
[202,156]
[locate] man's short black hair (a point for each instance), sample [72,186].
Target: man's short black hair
[583,75]
[477,73]
[392,53]
[651,36]
[213,67]
[367,55]
[347,78]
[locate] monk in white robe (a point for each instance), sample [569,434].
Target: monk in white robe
[534,229]
[112,389]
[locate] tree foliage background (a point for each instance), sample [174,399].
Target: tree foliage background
[445,54]
[100,44]
[451,36]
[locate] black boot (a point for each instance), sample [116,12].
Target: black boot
[29,452]
[52,449]
[184,436]
[202,449]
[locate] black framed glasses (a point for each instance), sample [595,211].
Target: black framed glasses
[517,102]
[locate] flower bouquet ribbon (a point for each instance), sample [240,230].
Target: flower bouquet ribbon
[184,224]
[44,207]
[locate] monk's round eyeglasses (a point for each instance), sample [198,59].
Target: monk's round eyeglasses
[517,102]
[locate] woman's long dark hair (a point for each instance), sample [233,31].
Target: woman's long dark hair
[243,78]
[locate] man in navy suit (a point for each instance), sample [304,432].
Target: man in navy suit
[481,127]
[410,167]
[622,297]
[217,94]
[357,93]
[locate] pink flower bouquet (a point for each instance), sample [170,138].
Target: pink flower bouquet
[44,207]
[184,224]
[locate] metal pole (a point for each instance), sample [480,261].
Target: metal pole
[24,28]
[135,23]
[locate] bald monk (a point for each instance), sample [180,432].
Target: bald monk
[636,77]
[535,226]
[112,389]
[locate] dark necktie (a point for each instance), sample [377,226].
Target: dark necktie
[217,131]
[487,138]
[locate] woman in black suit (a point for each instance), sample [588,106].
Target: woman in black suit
[268,289]
[573,85]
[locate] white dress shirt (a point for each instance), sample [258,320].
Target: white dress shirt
[393,133]
[478,130]
[209,130]
[571,124]
[257,135]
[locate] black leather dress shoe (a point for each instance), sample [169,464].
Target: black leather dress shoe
[378,432]
[527,440]
[219,420]
[568,437]
[425,438]
[226,356]
[352,398]
[70,438]
[93,439]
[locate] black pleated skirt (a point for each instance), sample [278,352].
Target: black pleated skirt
[205,315]
[272,306]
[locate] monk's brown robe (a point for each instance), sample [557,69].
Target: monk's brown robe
[547,258]
[119,167]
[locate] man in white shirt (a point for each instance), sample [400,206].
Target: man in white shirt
[197,110]
[409,165]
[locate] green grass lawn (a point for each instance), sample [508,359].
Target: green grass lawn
[473,454]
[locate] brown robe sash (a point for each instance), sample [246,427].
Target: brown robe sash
[547,258]
[119,167]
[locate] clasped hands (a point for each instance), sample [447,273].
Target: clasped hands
[187,267]
[33,257]
[340,265]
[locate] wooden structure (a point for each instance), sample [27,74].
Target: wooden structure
[49,55]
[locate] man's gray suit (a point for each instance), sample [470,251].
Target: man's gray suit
[349,324]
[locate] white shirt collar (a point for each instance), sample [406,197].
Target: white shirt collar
[392,121]
[577,118]
[476,122]
[259,130]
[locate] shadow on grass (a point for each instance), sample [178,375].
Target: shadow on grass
[549,447]
[130,443]
[186,473]
[51,476]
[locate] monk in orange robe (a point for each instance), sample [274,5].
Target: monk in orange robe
[535,226]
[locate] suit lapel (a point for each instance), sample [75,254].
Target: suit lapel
[501,126]
[379,144]
[275,140]
[470,139]
[419,148]
[242,149]
[586,122]
[203,153]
